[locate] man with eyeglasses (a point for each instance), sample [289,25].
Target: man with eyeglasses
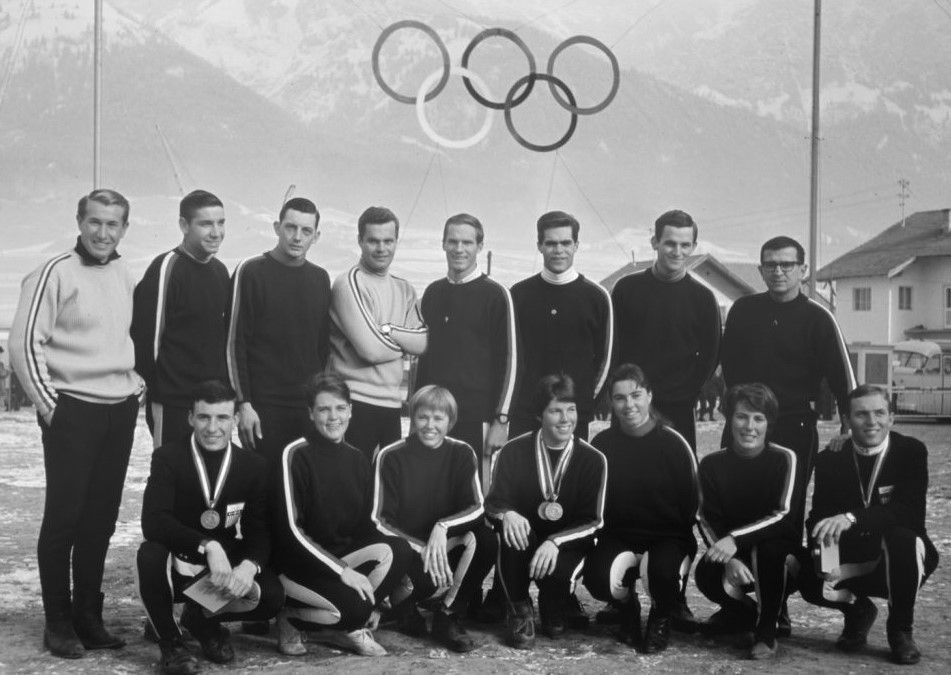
[565,324]
[790,343]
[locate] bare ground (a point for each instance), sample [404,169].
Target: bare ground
[809,650]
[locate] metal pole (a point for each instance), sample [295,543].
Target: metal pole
[97,98]
[814,175]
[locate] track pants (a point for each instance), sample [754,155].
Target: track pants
[372,427]
[554,589]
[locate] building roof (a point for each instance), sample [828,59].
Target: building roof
[925,233]
[743,276]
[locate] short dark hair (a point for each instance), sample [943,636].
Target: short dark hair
[301,205]
[634,373]
[194,200]
[464,219]
[554,387]
[780,242]
[212,391]
[675,218]
[864,390]
[376,215]
[330,383]
[757,396]
[106,198]
[557,219]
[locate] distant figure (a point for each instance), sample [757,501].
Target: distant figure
[179,324]
[668,323]
[278,332]
[4,383]
[471,350]
[710,394]
[376,321]
[565,325]
[869,506]
[70,347]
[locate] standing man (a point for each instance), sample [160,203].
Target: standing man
[279,332]
[70,346]
[668,323]
[869,508]
[376,321]
[788,342]
[178,323]
[565,324]
[471,348]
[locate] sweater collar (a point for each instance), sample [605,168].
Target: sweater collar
[560,278]
[667,279]
[472,276]
[873,451]
[89,259]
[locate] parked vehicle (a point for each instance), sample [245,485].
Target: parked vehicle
[921,378]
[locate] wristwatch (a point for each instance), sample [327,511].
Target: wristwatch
[849,516]
[386,329]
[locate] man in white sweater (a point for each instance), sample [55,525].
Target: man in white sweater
[70,347]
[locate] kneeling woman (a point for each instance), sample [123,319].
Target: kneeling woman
[428,493]
[547,497]
[746,516]
[333,563]
[651,508]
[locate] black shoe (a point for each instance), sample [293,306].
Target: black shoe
[60,638]
[629,618]
[859,618]
[574,614]
[783,623]
[448,629]
[176,659]
[87,621]
[520,625]
[553,624]
[213,637]
[657,636]
[408,619]
[904,650]
[682,619]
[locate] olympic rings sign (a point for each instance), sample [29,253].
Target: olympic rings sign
[517,93]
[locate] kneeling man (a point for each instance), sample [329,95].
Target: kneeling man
[200,490]
[868,511]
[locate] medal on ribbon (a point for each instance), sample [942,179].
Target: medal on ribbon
[550,480]
[210,518]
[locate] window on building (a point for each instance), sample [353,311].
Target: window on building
[862,299]
[904,297]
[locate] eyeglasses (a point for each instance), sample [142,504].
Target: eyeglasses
[786,266]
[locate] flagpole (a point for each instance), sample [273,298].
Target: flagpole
[97,98]
[814,173]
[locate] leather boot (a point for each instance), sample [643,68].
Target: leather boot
[87,621]
[59,636]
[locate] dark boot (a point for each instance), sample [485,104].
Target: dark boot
[551,607]
[657,636]
[448,630]
[176,659]
[59,636]
[859,618]
[904,650]
[87,621]
[629,615]
[214,638]
[520,625]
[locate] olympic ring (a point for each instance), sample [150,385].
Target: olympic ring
[499,32]
[427,128]
[375,60]
[552,82]
[514,98]
[615,70]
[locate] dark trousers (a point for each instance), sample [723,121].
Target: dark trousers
[799,434]
[896,570]
[554,589]
[615,563]
[161,585]
[317,596]
[85,453]
[470,561]
[680,414]
[372,427]
[767,561]
[279,427]
[521,425]
[471,432]
[167,423]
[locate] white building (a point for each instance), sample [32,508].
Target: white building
[896,286]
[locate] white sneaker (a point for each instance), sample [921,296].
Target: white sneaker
[358,641]
[288,638]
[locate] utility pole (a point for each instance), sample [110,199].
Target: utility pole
[97,98]
[814,174]
[903,194]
